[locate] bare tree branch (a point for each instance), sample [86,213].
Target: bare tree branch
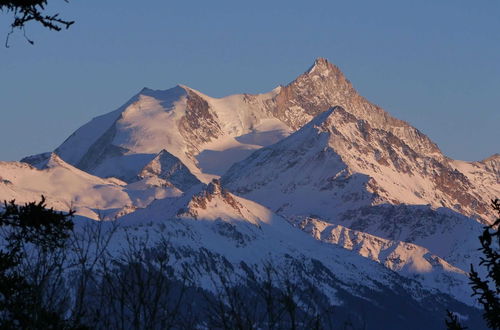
[26,11]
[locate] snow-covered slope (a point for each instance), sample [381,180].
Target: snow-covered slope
[122,146]
[408,259]
[182,121]
[215,231]
[242,231]
[445,233]
[67,187]
[339,169]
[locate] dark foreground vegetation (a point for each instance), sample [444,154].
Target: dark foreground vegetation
[487,290]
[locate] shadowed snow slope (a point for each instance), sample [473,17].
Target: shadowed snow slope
[215,231]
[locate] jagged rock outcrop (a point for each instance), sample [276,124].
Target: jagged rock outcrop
[212,196]
[169,168]
[324,86]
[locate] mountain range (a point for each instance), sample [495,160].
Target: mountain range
[309,174]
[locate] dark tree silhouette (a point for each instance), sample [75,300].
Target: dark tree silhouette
[487,290]
[26,11]
[270,300]
[452,323]
[33,237]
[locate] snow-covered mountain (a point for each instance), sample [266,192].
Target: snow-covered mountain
[338,165]
[216,231]
[208,135]
[351,163]
[311,156]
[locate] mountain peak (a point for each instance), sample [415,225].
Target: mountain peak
[323,117]
[321,64]
[168,167]
[171,93]
[44,160]
[212,196]
[318,89]
[495,157]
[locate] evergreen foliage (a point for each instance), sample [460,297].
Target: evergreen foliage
[29,232]
[452,323]
[487,290]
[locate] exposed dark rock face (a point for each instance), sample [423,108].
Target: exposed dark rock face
[199,124]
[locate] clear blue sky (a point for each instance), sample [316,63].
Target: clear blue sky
[433,63]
